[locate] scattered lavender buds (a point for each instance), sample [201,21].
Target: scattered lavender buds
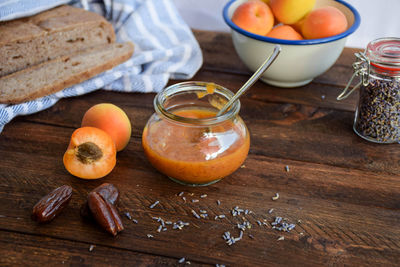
[179,225]
[128,215]
[182,260]
[154,204]
[236,211]
[280,225]
[245,225]
[219,217]
[270,211]
[91,248]
[230,240]
[287,168]
[203,215]
[195,214]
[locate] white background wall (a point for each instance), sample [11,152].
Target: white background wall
[379,18]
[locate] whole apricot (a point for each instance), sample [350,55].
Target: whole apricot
[254,16]
[324,22]
[297,26]
[290,11]
[284,32]
[91,153]
[111,119]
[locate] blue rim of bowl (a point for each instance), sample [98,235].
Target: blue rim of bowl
[356,24]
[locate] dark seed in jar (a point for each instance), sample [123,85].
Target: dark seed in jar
[378,115]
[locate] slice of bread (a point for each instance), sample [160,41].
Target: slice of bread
[62,72]
[57,32]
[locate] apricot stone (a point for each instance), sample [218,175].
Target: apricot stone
[111,119]
[254,16]
[324,22]
[291,11]
[284,32]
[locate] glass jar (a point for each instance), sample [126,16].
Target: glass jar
[377,117]
[185,140]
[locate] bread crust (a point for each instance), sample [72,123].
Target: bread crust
[55,20]
[68,80]
[57,32]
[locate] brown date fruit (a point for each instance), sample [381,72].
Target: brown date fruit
[52,204]
[105,213]
[108,192]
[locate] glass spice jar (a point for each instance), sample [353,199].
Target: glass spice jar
[377,117]
[186,140]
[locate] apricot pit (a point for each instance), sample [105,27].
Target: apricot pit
[88,152]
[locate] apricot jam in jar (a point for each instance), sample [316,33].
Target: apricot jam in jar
[186,140]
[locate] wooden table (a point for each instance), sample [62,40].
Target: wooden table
[342,192]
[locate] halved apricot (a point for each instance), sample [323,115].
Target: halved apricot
[91,153]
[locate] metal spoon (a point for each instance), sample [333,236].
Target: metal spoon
[253,79]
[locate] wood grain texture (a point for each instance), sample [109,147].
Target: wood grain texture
[32,250]
[342,193]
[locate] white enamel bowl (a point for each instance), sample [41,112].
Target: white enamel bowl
[300,61]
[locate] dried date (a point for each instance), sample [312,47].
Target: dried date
[52,204]
[105,213]
[108,192]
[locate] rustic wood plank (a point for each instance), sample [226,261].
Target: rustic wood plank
[31,250]
[335,228]
[342,192]
[306,178]
[293,131]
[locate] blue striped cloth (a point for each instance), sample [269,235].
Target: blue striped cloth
[165,48]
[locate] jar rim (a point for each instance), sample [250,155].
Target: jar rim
[384,52]
[192,86]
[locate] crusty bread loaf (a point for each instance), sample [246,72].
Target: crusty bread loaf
[57,32]
[62,72]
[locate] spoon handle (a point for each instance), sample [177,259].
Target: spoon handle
[253,79]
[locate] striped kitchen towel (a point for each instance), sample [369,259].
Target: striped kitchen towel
[165,48]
